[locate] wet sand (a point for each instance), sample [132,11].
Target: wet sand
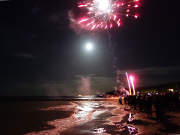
[80,118]
[19,118]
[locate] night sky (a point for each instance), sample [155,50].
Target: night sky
[38,44]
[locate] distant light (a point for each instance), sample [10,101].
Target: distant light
[136,16]
[171,90]
[89,46]
[136,6]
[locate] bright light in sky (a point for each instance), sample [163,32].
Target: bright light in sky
[103,5]
[89,46]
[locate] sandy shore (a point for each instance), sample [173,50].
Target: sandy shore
[81,118]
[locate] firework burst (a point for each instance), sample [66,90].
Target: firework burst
[105,14]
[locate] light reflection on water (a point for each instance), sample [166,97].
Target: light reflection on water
[131,130]
[91,117]
[89,111]
[85,110]
[130,118]
[99,130]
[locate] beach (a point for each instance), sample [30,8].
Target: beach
[78,117]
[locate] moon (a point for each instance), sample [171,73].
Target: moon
[89,46]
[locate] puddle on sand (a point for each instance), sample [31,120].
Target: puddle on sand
[99,130]
[123,127]
[130,118]
[116,130]
[131,129]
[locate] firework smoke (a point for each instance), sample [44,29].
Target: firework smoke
[85,85]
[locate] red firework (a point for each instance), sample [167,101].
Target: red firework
[105,14]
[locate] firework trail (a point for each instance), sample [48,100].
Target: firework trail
[119,76]
[129,85]
[132,84]
[104,14]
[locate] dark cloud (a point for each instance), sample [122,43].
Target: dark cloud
[25,56]
[154,70]
[151,76]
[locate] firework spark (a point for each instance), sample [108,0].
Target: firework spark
[129,85]
[132,83]
[105,14]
